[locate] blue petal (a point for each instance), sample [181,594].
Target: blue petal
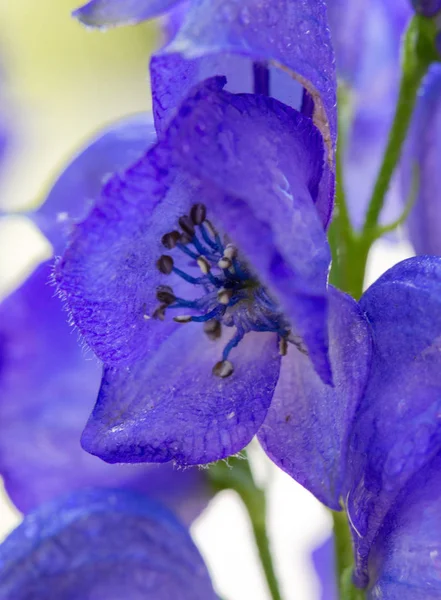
[73,194]
[398,429]
[307,429]
[423,152]
[96,544]
[48,386]
[110,13]
[171,407]
[227,38]
[406,556]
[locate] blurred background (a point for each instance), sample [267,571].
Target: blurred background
[60,83]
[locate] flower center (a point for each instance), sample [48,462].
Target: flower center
[231,294]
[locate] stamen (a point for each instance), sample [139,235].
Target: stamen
[283,346]
[213,329]
[159,312]
[186,224]
[224,296]
[182,319]
[223,369]
[230,251]
[204,265]
[165,295]
[169,240]
[165,264]
[198,213]
[224,263]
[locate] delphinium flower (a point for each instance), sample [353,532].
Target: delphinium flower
[99,544]
[48,383]
[199,270]
[389,486]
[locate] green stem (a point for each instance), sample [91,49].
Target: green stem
[418,53]
[237,476]
[350,248]
[344,558]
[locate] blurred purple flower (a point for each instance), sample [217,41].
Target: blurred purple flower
[323,559]
[367,38]
[423,154]
[48,384]
[102,544]
[244,165]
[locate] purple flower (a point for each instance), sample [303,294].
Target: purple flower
[423,153]
[154,248]
[102,544]
[374,440]
[428,8]
[48,384]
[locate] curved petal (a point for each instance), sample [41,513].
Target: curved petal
[406,556]
[72,195]
[423,151]
[307,429]
[98,544]
[110,13]
[260,192]
[229,37]
[48,386]
[397,430]
[172,408]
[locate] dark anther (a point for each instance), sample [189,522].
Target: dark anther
[213,329]
[198,213]
[165,295]
[169,240]
[186,224]
[159,312]
[165,264]
[185,239]
[223,369]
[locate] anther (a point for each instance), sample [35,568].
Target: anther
[169,240]
[165,264]
[182,319]
[198,213]
[211,230]
[213,329]
[165,295]
[185,239]
[204,265]
[159,312]
[230,251]
[224,263]
[186,224]
[224,296]
[223,369]
[283,346]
